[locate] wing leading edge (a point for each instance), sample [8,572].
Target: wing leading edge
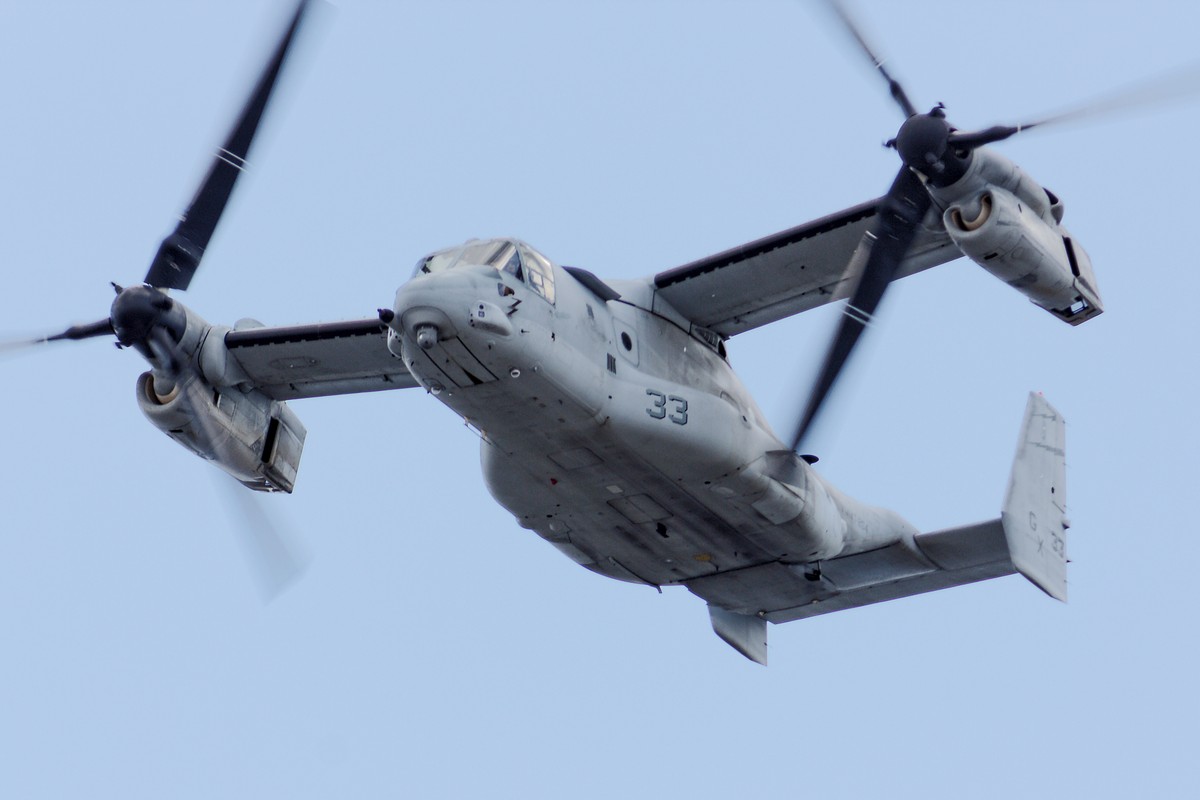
[788,272]
[730,292]
[316,360]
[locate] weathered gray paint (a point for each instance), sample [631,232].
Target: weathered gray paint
[1035,506]
[616,430]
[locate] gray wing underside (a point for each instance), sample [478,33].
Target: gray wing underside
[788,272]
[937,560]
[316,360]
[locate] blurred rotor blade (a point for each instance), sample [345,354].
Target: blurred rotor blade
[14,345]
[997,133]
[102,327]
[180,253]
[899,217]
[276,559]
[164,350]
[188,383]
[897,91]
[1156,91]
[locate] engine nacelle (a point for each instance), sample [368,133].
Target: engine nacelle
[255,439]
[1010,225]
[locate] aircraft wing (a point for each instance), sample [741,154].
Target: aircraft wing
[788,272]
[286,363]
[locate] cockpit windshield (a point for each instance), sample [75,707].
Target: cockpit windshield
[505,255]
[498,253]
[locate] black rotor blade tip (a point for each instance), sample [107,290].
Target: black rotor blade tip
[102,327]
[997,133]
[180,253]
[894,88]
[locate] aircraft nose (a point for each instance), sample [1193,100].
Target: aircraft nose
[443,305]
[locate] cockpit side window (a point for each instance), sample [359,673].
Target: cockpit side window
[438,261]
[539,273]
[512,265]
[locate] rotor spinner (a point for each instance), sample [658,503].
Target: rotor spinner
[923,143]
[139,310]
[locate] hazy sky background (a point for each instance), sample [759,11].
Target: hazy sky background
[435,649]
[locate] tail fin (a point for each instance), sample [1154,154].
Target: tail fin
[744,633]
[1034,515]
[1030,537]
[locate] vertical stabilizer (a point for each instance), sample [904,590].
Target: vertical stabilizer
[742,632]
[1034,515]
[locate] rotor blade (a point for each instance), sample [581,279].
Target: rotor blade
[897,91]
[1159,90]
[896,226]
[276,560]
[160,344]
[997,133]
[180,253]
[190,385]
[101,327]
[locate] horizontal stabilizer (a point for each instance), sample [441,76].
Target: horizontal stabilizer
[931,561]
[1034,514]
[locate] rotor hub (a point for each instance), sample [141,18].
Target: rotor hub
[138,310]
[924,144]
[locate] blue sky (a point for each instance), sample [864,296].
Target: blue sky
[434,648]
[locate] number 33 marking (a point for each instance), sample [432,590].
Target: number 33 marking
[678,414]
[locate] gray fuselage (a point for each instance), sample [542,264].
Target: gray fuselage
[616,435]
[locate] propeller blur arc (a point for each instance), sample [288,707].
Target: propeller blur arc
[894,88]
[180,253]
[275,558]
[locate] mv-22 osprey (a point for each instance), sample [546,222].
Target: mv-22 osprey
[610,420]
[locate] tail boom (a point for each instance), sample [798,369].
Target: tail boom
[1029,537]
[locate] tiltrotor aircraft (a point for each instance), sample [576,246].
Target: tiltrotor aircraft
[611,422]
